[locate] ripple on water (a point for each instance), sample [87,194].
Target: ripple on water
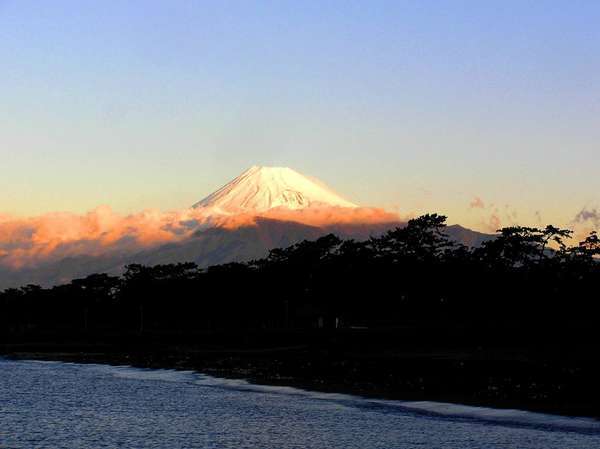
[68,405]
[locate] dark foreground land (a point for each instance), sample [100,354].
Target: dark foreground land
[411,363]
[408,315]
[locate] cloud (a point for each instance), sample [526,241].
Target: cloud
[29,241]
[585,221]
[588,216]
[493,217]
[477,203]
[494,223]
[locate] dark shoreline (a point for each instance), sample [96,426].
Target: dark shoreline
[409,376]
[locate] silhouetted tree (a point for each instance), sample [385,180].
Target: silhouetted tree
[526,276]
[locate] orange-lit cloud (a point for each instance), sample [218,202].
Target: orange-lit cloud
[31,240]
[491,216]
[477,203]
[494,223]
[26,241]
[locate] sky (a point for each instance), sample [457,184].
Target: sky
[488,112]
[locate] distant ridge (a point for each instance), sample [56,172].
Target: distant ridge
[259,189]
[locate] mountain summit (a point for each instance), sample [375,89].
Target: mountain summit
[259,189]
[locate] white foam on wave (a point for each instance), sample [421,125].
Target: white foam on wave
[45,362]
[129,372]
[242,384]
[501,416]
[433,409]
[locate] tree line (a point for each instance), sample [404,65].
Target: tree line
[522,276]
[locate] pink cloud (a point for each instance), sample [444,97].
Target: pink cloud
[494,223]
[477,203]
[27,241]
[493,217]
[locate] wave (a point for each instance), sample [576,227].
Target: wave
[425,409]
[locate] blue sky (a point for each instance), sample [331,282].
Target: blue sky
[413,106]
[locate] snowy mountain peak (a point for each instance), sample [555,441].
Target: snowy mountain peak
[262,188]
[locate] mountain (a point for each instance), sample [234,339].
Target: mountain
[206,247]
[467,236]
[259,189]
[262,209]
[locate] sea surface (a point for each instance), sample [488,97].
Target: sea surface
[66,405]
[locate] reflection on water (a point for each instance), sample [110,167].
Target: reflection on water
[64,405]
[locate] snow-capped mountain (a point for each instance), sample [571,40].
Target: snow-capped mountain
[262,209]
[259,189]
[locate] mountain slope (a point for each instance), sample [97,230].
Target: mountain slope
[206,247]
[262,188]
[209,247]
[262,209]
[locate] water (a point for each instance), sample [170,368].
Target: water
[64,405]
